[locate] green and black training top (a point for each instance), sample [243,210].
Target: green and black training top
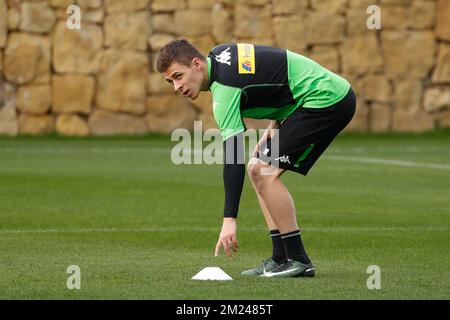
[261,82]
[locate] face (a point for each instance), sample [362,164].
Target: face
[189,81]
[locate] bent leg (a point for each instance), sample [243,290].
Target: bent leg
[280,206]
[274,196]
[271,225]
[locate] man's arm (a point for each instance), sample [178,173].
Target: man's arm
[233,179]
[228,117]
[233,174]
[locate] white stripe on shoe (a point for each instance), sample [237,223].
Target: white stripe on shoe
[271,274]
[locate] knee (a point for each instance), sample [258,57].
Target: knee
[257,173]
[254,170]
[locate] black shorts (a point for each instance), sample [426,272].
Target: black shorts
[306,134]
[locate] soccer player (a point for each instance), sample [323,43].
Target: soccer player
[308,106]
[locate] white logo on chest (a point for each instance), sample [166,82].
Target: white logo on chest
[224,57]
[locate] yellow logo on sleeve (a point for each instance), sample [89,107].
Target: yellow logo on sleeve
[246,54]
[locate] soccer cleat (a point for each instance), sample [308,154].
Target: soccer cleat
[266,266]
[291,269]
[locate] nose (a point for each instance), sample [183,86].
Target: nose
[177,86]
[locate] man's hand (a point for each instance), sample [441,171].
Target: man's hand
[227,238]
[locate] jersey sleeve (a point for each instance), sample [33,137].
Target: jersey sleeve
[233,174]
[226,108]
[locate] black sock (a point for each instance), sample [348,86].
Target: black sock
[278,251]
[294,247]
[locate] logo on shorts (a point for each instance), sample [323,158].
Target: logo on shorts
[283,159]
[224,57]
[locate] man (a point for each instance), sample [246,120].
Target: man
[308,106]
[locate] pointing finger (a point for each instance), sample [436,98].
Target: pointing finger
[216,252]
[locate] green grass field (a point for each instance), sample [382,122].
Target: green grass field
[140,227]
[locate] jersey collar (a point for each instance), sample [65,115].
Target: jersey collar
[208,59]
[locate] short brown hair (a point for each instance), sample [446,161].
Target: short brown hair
[179,51]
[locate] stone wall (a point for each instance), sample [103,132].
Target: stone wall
[101,80]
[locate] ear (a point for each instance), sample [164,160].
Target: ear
[197,63]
